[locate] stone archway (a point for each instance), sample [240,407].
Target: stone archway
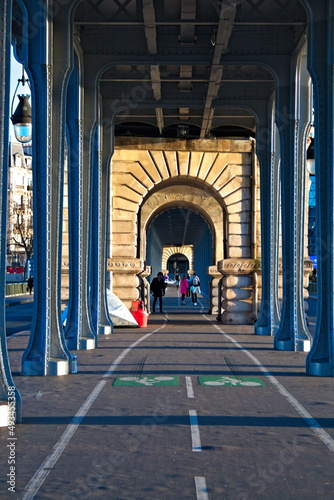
[177,265]
[198,199]
[218,179]
[186,250]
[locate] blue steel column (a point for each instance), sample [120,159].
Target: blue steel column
[47,353]
[320,360]
[292,334]
[73,326]
[107,132]
[268,319]
[88,335]
[95,232]
[10,399]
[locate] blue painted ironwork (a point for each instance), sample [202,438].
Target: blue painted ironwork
[88,334]
[320,360]
[9,394]
[47,353]
[268,319]
[72,328]
[107,136]
[95,230]
[292,333]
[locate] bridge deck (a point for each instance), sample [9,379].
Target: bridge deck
[118,430]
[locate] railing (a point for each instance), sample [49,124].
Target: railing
[16,288]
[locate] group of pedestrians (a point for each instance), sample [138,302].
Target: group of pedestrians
[188,286]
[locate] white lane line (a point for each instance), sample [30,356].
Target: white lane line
[195,435]
[43,471]
[117,361]
[311,422]
[201,304]
[201,488]
[190,390]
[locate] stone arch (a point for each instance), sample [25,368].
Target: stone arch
[217,179]
[186,250]
[188,197]
[222,169]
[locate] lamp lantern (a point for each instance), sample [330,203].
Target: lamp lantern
[21,117]
[310,162]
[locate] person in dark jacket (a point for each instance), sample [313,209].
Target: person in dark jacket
[30,284]
[158,288]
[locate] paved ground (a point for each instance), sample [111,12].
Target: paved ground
[19,310]
[95,435]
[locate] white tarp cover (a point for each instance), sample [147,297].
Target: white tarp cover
[118,312]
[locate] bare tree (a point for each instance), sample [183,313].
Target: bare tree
[20,226]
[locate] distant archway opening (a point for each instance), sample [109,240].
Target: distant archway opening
[180,236]
[177,265]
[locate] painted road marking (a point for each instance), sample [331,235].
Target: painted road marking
[201,304]
[201,488]
[44,470]
[190,391]
[146,381]
[311,422]
[215,381]
[195,435]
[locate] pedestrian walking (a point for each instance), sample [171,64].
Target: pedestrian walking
[30,284]
[184,285]
[195,288]
[158,288]
[189,285]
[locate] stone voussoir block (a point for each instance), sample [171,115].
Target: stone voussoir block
[237,305]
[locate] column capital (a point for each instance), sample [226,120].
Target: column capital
[238,266]
[125,265]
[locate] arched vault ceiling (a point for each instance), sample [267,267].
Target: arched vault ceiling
[179,227]
[187,66]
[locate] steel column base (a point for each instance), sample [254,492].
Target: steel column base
[266,330]
[4,415]
[289,345]
[58,367]
[320,368]
[87,344]
[33,368]
[105,329]
[303,345]
[72,344]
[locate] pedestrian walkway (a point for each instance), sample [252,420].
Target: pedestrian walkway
[172,303]
[186,408]
[13,300]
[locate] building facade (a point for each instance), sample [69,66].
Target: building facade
[20,207]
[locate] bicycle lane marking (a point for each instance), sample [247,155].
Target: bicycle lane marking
[45,468]
[311,421]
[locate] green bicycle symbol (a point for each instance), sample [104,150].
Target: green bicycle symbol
[147,380]
[231,381]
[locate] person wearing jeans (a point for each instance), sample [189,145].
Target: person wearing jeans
[195,289]
[158,288]
[184,285]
